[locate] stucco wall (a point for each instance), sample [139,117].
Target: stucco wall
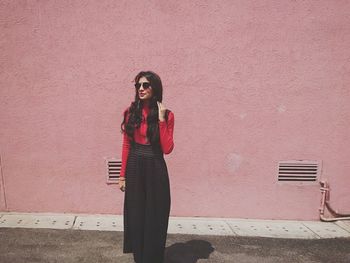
[250,83]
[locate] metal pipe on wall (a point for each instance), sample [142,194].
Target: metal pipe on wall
[325,203]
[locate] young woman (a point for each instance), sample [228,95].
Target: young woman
[147,130]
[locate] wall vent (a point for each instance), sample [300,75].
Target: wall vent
[113,170]
[298,171]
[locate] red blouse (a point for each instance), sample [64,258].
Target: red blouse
[166,131]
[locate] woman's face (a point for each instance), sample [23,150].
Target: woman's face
[144,93]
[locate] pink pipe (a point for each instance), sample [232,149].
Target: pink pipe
[325,203]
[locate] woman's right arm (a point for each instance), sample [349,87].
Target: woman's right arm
[125,150]
[125,153]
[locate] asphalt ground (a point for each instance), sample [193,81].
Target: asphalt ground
[54,245]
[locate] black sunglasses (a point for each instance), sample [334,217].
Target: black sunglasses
[145,85]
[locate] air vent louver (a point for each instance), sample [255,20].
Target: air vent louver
[114,166]
[298,171]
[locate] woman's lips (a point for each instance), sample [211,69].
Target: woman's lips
[142,94]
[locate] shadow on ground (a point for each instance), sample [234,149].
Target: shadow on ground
[189,251]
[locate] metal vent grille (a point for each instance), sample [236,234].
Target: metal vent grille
[113,167]
[298,171]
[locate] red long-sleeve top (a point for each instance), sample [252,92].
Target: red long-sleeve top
[166,131]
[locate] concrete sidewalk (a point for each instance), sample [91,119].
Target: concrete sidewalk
[68,238]
[184,225]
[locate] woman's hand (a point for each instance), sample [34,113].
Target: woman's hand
[122,184]
[161,111]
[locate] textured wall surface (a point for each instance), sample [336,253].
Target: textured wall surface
[250,83]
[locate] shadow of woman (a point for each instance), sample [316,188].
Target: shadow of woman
[188,252]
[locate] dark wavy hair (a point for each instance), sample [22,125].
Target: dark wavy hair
[135,110]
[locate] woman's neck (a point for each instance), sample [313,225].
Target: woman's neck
[146,103]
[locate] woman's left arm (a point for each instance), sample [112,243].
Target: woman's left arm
[166,133]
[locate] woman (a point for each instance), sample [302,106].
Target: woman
[147,134]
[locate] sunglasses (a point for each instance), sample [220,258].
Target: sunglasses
[145,85]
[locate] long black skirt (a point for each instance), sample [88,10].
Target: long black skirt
[146,204]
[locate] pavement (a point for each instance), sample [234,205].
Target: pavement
[46,237]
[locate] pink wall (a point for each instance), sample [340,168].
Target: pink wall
[250,82]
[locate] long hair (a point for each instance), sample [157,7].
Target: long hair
[134,112]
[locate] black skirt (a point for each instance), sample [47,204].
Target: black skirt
[146,204]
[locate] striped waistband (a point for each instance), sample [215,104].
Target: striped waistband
[144,150]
